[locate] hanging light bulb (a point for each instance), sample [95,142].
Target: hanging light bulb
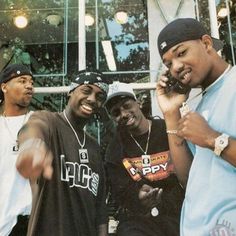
[20,21]
[121,17]
[223,12]
[89,19]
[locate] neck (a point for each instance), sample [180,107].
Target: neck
[76,121]
[215,74]
[142,128]
[14,111]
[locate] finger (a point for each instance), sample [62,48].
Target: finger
[159,194]
[48,170]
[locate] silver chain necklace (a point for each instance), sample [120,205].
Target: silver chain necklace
[15,147]
[184,109]
[147,144]
[83,152]
[81,144]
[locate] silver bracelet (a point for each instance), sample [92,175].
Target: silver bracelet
[172,131]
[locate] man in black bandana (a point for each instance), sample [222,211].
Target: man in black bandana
[56,151]
[139,167]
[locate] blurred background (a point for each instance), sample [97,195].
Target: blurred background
[57,38]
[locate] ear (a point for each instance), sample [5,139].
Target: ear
[3,87]
[207,41]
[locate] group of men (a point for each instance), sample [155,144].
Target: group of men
[171,176]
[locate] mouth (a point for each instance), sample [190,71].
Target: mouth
[29,94]
[129,121]
[87,109]
[185,77]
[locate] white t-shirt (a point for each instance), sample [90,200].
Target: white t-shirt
[15,190]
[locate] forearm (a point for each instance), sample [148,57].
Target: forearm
[180,153]
[229,153]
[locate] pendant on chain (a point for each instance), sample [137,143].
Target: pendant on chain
[146,160]
[184,109]
[15,147]
[83,155]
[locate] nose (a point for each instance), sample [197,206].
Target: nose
[123,113]
[92,97]
[177,66]
[29,85]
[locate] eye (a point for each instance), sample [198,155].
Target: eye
[22,81]
[101,97]
[181,53]
[168,65]
[127,105]
[85,90]
[114,113]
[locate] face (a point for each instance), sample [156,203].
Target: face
[86,100]
[126,113]
[19,90]
[190,61]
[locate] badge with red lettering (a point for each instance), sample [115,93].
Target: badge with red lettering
[146,160]
[83,156]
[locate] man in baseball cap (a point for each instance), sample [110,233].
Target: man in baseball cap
[181,30]
[139,146]
[202,141]
[16,93]
[10,72]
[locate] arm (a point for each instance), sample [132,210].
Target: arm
[195,128]
[180,153]
[34,156]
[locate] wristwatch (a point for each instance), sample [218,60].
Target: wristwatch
[221,142]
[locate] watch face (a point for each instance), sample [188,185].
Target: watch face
[221,143]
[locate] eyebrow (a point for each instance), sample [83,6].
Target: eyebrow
[175,48]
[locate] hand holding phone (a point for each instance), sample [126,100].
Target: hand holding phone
[175,85]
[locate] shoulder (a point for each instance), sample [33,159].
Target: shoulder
[45,117]
[159,123]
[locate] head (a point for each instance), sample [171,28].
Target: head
[188,50]
[123,106]
[88,92]
[16,81]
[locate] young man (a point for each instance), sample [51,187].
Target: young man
[190,55]
[16,92]
[140,170]
[70,199]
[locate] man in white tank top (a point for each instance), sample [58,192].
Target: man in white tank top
[16,93]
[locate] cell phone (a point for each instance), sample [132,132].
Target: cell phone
[175,85]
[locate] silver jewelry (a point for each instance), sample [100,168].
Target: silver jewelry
[221,142]
[15,146]
[83,152]
[81,144]
[185,108]
[146,148]
[146,159]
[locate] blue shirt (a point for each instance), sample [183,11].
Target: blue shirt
[210,203]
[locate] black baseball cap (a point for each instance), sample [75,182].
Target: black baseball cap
[180,30]
[12,71]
